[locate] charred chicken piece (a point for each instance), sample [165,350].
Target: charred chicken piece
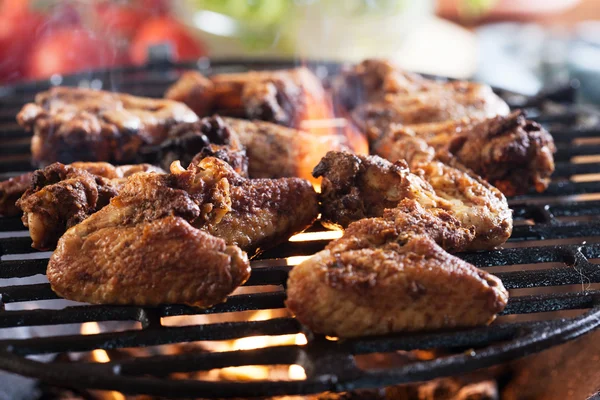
[148,263]
[355,187]
[373,79]
[285,97]
[74,124]
[61,196]
[194,90]
[510,152]
[212,196]
[10,191]
[400,286]
[210,136]
[454,100]
[275,151]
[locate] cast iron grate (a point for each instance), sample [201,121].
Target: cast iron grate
[548,264]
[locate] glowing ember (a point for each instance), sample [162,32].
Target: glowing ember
[309,236]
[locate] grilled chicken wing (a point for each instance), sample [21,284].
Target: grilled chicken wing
[10,191]
[74,124]
[455,101]
[210,136]
[149,263]
[285,97]
[356,187]
[399,286]
[511,153]
[275,151]
[60,196]
[213,197]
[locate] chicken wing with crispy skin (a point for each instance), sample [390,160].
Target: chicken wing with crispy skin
[399,286]
[275,151]
[355,187]
[165,260]
[212,196]
[210,136]
[60,196]
[285,97]
[371,80]
[75,124]
[194,90]
[510,152]
[455,100]
[12,189]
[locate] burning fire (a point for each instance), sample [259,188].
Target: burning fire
[257,372]
[100,356]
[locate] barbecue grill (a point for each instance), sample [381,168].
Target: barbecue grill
[553,247]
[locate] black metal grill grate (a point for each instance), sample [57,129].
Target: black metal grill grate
[559,227]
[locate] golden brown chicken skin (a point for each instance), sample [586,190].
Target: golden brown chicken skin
[211,196]
[146,264]
[285,97]
[76,124]
[407,286]
[60,196]
[251,213]
[275,151]
[12,189]
[455,101]
[355,187]
[511,153]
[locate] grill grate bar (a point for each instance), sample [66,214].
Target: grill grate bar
[152,337]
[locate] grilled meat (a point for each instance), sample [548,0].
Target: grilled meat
[275,151]
[61,196]
[73,124]
[212,196]
[355,187]
[453,101]
[403,285]
[285,97]
[373,79]
[10,191]
[510,152]
[194,90]
[165,260]
[210,136]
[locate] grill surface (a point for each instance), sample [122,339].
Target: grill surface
[548,264]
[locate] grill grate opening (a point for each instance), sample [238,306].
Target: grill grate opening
[550,265]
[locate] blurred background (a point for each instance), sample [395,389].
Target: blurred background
[520,45]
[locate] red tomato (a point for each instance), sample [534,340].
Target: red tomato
[69,50]
[165,30]
[18,33]
[120,20]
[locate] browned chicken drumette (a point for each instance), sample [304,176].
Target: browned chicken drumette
[455,100]
[210,136]
[355,187]
[284,97]
[510,152]
[74,124]
[381,278]
[61,196]
[147,263]
[186,227]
